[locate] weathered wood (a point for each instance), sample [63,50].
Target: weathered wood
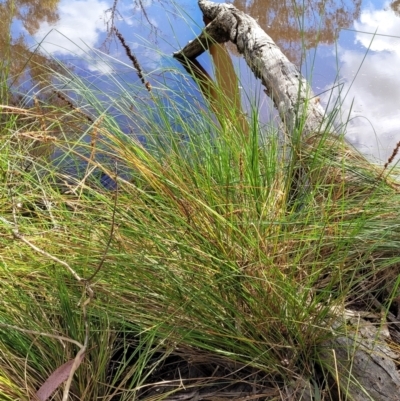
[223,95]
[214,32]
[364,362]
[290,92]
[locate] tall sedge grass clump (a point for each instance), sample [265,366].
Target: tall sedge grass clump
[202,244]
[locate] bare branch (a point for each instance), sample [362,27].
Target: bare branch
[82,351]
[40,333]
[284,83]
[48,255]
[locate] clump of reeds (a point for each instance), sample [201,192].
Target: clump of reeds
[201,251]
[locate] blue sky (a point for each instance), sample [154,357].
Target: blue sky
[368,65]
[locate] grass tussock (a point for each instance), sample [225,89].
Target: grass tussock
[218,260]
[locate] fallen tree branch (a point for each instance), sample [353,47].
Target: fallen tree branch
[362,362]
[289,90]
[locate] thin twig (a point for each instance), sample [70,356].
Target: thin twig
[47,204]
[100,265]
[110,24]
[144,12]
[80,354]
[89,291]
[48,255]
[39,333]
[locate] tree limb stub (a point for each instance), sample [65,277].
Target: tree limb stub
[290,92]
[214,32]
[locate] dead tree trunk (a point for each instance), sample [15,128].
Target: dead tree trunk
[362,363]
[290,92]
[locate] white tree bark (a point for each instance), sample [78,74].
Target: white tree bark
[298,107]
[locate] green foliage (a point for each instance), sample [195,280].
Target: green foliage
[238,246]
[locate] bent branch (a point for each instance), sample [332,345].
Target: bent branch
[289,90]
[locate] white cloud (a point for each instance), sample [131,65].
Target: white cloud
[381,22]
[373,98]
[80,25]
[101,66]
